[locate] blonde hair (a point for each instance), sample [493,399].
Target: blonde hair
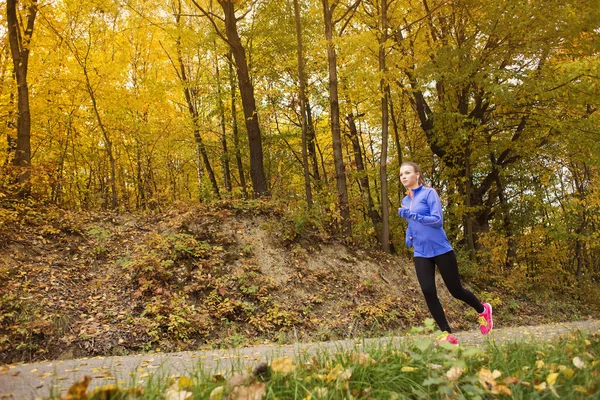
[420,179]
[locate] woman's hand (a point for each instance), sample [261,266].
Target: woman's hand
[404,212]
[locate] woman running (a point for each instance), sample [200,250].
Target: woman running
[422,208]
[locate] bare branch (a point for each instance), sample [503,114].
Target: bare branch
[211,17]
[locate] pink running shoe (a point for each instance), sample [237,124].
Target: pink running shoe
[486,323]
[447,338]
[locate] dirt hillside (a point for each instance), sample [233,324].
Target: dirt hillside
[194,277]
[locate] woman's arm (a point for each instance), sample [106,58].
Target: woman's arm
[434,219]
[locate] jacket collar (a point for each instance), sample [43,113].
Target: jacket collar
[411,192]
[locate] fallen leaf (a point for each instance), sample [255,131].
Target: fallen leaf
[238,379]
[577,362]
[321,392]
[362,359]
[551,378]
[217,393]
[256,391]
[172,394]
[283,365]
[581,389]
[454,373]
[78,389]
[408,369]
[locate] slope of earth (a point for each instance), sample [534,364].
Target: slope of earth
[77,284]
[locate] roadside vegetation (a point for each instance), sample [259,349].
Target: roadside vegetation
[568,367]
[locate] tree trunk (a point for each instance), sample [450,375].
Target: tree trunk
[193,110]
[236,142]
[385,233]
[340,173]
[257,172]
[114,200]
[364,178]
[225,154]
[19,46]
[302,80]
[511,252]
[398,146]
[468,218]
[311,144]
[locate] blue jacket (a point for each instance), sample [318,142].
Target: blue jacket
[424,215]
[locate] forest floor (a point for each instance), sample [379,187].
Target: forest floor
[84,284]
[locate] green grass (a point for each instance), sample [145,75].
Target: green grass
[568,367]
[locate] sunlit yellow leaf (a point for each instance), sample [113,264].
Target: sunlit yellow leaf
[551,378]
[283,365]
[539,364]
[568,373]
[408,369]
[496,374]
[184,382]
[580,389]
[334,373]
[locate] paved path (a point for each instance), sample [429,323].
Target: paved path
[28,381]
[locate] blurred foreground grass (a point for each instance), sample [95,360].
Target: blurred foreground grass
[568,367]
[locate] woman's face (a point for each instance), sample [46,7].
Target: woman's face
[408,176]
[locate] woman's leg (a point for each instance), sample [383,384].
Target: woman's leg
[449,270]
[425,268]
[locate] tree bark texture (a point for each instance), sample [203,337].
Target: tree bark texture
[19,38]
[302,80]
[340,173]
[257,172]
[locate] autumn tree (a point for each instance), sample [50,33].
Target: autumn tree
[20,32]
[331,22]
[232,37]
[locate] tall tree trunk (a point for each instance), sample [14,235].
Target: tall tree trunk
[340,173]
[383,87]
[193,110]
[236,142]
[468,214]
[302,80]
[511,252]
[311,144]
[257,172]
[225,154]
[114,198]
[364,178]
[19,38]
[398,146]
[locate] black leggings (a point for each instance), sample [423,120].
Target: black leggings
[425,268]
